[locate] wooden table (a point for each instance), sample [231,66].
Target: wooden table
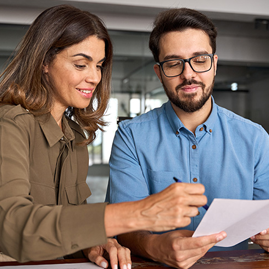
[240,259]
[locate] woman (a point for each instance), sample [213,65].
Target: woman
[53,95]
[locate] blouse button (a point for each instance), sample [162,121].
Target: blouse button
[210,130]
[177,132]
[201,129]
[74,246]
[193,146]
[195,179]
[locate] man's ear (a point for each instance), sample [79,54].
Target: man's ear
[215,63]
[157,70]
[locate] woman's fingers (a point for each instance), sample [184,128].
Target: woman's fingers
[95,254]
[173,207]
[117,255]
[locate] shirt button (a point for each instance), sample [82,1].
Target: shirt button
[210,130]
[177,132]
[193,146]
[201,129]
[195,179]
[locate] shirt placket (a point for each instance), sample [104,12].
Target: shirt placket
[60,171]
[194,160]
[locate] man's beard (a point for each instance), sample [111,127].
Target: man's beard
[190,105]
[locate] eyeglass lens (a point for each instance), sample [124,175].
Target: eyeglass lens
[201,63]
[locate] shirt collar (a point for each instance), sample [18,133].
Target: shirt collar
[176,123]
[52,131]
[172,117]
[209,123]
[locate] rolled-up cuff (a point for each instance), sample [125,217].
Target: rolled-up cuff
[82,226]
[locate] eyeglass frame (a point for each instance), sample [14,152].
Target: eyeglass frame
[160,64]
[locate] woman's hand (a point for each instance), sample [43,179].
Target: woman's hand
[169,209]
[112,251]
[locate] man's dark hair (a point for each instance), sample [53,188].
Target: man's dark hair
[179,20]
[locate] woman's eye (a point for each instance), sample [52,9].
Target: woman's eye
[79,66]
[100,67]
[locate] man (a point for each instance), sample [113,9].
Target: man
[190,138]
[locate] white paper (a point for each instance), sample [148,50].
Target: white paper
[85,265]
[240,219]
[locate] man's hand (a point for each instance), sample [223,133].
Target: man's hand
[178,249]
[262,239]
[115,252]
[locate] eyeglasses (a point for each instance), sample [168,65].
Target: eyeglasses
[199,64]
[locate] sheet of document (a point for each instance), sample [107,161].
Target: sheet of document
[86,265]
[240,219]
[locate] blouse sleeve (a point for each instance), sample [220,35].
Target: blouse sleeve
[31,231]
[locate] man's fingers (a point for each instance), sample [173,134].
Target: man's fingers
[186,250]
[212,239]
[199,242]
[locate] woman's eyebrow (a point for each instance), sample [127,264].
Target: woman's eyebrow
[102,60]
[83,55]
[88,57]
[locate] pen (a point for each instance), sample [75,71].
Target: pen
[177,180]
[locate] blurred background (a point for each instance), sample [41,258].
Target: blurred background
[242,81]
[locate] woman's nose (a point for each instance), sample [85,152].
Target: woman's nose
[94,76]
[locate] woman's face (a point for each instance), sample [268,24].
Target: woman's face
[74,74]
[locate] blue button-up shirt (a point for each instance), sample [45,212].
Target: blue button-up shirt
[228,154]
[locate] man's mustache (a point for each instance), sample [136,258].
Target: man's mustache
[188,82]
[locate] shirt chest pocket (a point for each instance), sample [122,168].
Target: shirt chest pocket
[43,194]
[77,194]
[159,180]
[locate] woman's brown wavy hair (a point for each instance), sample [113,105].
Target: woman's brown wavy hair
[55,29]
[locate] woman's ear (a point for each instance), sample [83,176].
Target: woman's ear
[45,68]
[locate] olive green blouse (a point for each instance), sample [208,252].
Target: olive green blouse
[43,190]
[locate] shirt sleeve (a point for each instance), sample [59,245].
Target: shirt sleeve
[31,231]
[127,181]
[261,168]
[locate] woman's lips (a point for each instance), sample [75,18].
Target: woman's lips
[85,92]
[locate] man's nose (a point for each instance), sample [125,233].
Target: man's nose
[188,72]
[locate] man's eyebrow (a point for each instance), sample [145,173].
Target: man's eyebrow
[200,52]
[171,56]
[174,56]
[88,57]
